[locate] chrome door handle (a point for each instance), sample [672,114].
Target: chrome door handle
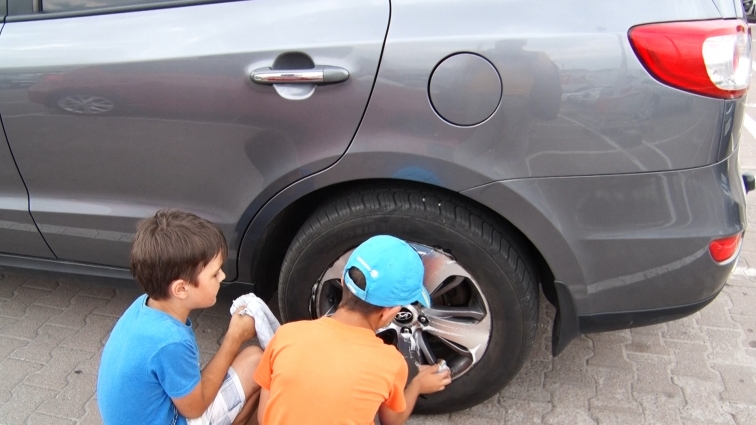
[318,75]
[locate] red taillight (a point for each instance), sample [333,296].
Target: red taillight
[711,58]
[723,249]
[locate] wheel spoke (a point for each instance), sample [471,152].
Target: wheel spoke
[337,269]
[438,269]
[457,348]
[331,310]
[453,283]
[329,302]
[466,338]
[335,283]
[458,312]
[430,358]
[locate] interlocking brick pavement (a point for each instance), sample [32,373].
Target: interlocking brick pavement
[697,370]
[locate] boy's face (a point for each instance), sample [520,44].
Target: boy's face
[208,283]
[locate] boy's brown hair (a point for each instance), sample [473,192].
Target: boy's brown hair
[350,301]
[173,245]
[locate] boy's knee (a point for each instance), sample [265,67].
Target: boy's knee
[249,357]
[254,352]
[245,365]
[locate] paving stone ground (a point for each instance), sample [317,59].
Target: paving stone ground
[697,370]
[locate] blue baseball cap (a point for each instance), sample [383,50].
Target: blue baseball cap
[393,273]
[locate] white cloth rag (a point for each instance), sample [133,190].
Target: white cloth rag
[266,323]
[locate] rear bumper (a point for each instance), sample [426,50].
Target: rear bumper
[630,249]
[630,319]
[568,325]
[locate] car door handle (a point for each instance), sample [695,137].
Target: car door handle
[321,75]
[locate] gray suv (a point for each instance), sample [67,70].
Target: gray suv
[587,150]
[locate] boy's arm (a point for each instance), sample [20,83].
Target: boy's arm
[427,381]
[263,375]
[386,416]
[240,329]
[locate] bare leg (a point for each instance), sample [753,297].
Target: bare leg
[245,365]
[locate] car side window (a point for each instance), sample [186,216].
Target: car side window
[52,6]
[22,10]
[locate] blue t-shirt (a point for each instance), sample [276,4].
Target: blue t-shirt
[149,358]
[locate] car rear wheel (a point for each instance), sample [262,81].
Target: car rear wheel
[750,10]
[85,104]
[484,305]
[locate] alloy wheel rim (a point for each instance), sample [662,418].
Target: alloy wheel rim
[456,327]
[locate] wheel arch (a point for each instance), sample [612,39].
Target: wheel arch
[272,230]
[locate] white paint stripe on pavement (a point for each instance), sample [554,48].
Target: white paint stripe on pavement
[749,124]
[744,271]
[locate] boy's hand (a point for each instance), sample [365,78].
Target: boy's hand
[428,380]
[242,326]
[240,329]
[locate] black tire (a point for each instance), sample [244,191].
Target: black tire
[485,246]
[750,11]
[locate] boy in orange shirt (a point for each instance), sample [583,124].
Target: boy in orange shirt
[335,370]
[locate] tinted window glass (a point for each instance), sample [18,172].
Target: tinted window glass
[66,5]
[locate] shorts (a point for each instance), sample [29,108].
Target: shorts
[227,404]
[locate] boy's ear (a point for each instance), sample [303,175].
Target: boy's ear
[178,289]
[388,313]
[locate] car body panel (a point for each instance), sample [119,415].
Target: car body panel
[612,239]
[732,126]
[730,8]
[188,130]
[585,191]
[615,240]
[633,124]
[619,181]
[18,233]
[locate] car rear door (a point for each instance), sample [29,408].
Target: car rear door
[18,234]
[148,105]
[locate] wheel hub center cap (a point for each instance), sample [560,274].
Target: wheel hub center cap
[405,316]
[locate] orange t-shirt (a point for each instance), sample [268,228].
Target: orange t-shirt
[326,372]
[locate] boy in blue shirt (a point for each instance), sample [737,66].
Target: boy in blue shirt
[149,371]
